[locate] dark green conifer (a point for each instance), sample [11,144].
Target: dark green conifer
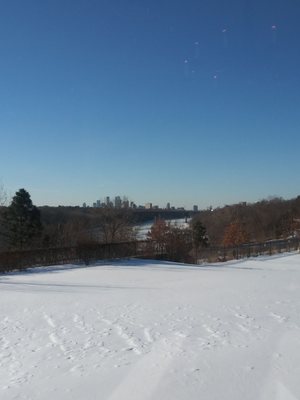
[199,234]
[21,221]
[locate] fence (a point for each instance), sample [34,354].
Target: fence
[250,250]
[89,252]
[11,260]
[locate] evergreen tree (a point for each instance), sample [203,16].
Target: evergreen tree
[200,238]
[21,221]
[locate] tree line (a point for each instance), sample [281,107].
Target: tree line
[24,226]
[264,220]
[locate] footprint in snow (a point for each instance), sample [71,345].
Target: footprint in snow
[278,317]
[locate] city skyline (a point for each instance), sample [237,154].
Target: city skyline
[124,202]
[183,102]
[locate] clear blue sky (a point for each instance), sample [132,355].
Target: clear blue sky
[191,102]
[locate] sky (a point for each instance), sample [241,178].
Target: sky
[187,102]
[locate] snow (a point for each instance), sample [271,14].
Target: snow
[143,228]
[152,330]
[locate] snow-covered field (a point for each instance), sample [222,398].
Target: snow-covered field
[140,330]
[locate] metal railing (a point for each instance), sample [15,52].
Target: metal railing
[247,250]
[90,252]
[84,253]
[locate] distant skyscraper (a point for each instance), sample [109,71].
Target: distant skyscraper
[195,208]
[118,202]
[107,201]
[84,205]
[168,206]
[148,206]
[98,203]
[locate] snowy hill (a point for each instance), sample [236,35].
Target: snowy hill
[149,330]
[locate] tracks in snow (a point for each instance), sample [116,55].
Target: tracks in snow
[129,336]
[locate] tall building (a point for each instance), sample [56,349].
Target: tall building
[118,202]
[148,206]
[98,203]
[195,208]
[168,206]
[107,201]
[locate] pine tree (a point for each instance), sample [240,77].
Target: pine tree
[200,238]
[21,221]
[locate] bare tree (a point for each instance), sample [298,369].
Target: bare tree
[169,242]
[3,196]
[234,235]
[115,226]
[68,233]
[3,203]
